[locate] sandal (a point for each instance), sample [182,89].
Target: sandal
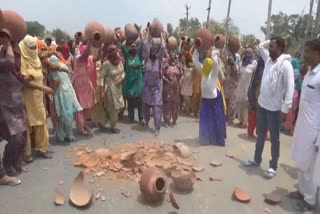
[251,163]
[84,133]
[9,181]
[270,173]
[297,195]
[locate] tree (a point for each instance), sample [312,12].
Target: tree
[169,29]
[249,41]
[60,35]
[35,29]
[219,28]
[194,26]
[234,30]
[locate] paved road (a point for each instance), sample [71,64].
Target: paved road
[36,193]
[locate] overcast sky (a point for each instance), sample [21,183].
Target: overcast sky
[72,15]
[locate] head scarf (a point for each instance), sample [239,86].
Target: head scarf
[248,57]
[114,55]
[56,60]
[41,45]
[65,50]
[31,56]
[82,50]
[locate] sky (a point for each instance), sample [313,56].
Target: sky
[72,15]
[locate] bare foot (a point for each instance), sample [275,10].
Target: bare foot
[9,181]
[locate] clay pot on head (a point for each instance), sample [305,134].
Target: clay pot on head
[171,43]
[131,32]
[153,184]
[96,30]
[219,41]
[234,45]
[14,24]
[183,180]
[120,35]
[155,28]
[204,39]
[109,37]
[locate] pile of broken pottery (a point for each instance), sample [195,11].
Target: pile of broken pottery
[129,160]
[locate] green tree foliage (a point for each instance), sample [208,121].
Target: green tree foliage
[60,35]
[35,29]
[194,26]
[169,29]
[249,41]
[216,27]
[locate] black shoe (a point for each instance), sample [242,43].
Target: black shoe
[44,155]
[303,206]
[115,131]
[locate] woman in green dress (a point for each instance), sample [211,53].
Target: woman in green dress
[133,83]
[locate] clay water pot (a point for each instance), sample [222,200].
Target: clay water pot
[131,32]
[234,45]
[109,36]
[219,41]
[78,35]
[189,44]
[204,39]
[79,194]
[183,180]
[96,30]
[171,43]
[153,184]
[155,28]
[120,35]
[14,24]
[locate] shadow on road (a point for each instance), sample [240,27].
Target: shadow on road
[291,171]
[244,136]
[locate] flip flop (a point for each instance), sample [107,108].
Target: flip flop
[10,181]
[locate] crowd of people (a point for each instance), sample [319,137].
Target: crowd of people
[85,79]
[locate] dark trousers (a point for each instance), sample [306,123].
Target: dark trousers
[268,120]
[132,103]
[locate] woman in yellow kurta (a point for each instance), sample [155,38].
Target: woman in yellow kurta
[33,98]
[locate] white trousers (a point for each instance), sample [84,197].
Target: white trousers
[307,185]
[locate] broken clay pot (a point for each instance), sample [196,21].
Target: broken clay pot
[273,199]
[103,153]
[153,184]
[183,180]
[59,199]
[198,168]
[241,195]
[173,201]
[183,149]
[79,195]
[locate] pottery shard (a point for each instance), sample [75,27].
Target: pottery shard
[183,149]
[230,154]
[89,161]
[198,168]
[103,198]
[241,195]
[173,201]
[79,195]
[102,153]
[98,195]
[127,155]
[100,173]
[273,199]
[183,180]
[117,165]
[215,179]
[215,163]
[59,199]
[126,194]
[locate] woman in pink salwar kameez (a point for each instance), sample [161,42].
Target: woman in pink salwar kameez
[81,81]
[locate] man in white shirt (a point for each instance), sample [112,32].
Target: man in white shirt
[306,139]
[275,100]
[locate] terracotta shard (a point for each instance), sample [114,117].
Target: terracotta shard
[103,198]
[241,195]
[183,180]
[215,179]
[102,153]
[98,195]
[59,199]
[273,199]
[173,201]
[184,150]
[126,194]
[79,195]
[100,173]
[230,155]
[77,163]
[215,163]
[61,183]
[267,211]
[198,168]
[198,178]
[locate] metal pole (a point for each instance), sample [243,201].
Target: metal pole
[227,23]
[187,13]
[269,20]
[208,17]
[310,19]
[317,21]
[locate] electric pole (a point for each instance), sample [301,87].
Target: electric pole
[310,19]
[269,20]
[227,21]
[208,18]
[317,22]
[187,21]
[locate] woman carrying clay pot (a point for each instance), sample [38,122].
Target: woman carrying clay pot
[83,87]
[212,128]
[171,75]
[153,53]
[133,84]
[13,124]
[111,77]
[33,98]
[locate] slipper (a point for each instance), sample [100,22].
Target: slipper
[251,163]
[10,181]
[270,173]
